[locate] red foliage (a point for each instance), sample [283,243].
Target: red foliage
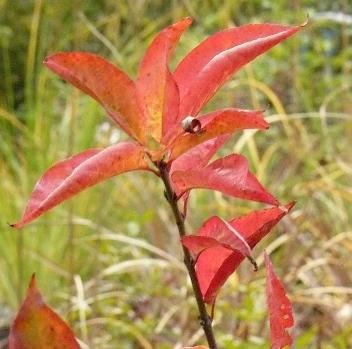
[160,112]
[280,309]
[229,175]
[151,110]
[37,326]
[218,261]
[71,176]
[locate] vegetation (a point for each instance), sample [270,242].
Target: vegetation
[109,295]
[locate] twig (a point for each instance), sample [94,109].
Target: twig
[170,195]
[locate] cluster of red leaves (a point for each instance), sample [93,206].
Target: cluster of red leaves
[221,246]
[37,326]
[159,111]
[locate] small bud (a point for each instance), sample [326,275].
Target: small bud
[192,125]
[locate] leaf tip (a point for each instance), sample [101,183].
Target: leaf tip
[32,290]
[291,205]
[16,225]
[33,281]
[47,60]
[33,294]
[287,208]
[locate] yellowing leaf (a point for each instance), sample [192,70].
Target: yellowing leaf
[38,327]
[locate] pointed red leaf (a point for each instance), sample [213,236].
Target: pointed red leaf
[37,327]
[156,85]
[205,69]
[280,309]
[255,225]
[198,156]
[170,109]
[215,231]
[106,83]
[197,244]
[229,175]
[71,176]
[215,264]
[214,124]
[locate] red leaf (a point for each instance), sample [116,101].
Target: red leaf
[280,309]
[205,69]
[156,85]
[229,175]
[198,156]
[255,225]
[106,83]
[215,124]
[71,176]
[37,326]
[215,264]
[197,244]
[215,231]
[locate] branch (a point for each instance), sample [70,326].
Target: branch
[171,197]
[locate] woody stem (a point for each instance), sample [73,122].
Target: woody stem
[205,319]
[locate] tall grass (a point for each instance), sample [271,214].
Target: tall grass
[107,260]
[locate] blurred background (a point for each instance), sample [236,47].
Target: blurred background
[109,260]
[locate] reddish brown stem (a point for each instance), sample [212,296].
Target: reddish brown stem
[205,319]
